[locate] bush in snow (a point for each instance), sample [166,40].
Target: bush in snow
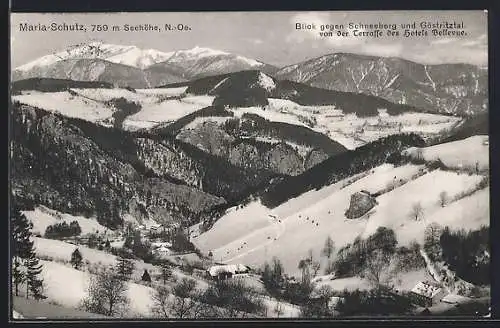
[232,299]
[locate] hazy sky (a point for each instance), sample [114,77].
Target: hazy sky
[267,36]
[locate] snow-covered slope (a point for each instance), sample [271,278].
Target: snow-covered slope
[202,61]
[444,88]
[353,131]
[66,104]
[254,234]
[466,153]
[90,104]
[42,217]
[68,286]
[140,58]
[198,53]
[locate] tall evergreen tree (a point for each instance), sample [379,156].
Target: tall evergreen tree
[34,282]
[21,246]
[145,276]
[124,268]
[328,248]
[76,259]
[166,273]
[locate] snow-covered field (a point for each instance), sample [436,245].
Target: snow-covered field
[61,251]
[464,153]
[402,281]
[352,131]
[66,104]
[89,104]
[42,217]
[68,286]
[255,234]
[166,111]
[424,190]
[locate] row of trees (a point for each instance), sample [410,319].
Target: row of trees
[224,298]
[61,230]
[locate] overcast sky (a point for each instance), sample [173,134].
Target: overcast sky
[267,36]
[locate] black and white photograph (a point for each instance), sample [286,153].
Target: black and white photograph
[247,165]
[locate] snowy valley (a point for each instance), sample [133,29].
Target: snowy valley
[201,184]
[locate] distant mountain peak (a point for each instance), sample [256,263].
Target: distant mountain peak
[198,53]
[119,54]
[204,51]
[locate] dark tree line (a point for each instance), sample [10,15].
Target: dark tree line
[467,253]
[374,302]
[341,166]
[124,108]
[63,229]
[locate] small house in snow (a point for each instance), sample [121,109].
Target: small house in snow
[427,293]
[226,271]
[162,251]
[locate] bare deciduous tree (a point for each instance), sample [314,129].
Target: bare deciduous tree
[179,302]
[417,211]
[315,266]
[234,299]
[278,308]
[107,294]
[161,302]
[379,269]
[183,304]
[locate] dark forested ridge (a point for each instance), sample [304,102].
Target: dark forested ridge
[339,167]
[242,89]
[82,168]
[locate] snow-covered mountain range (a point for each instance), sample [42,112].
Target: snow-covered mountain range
[446,88]
[151,67]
